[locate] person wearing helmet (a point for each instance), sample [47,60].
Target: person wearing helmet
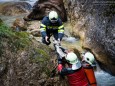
[73,70]
[88,63]
[51,25]
[89,58]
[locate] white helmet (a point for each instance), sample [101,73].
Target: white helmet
[53,16]
[89,57]
[72,58]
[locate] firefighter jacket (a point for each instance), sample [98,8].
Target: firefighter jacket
[46,26]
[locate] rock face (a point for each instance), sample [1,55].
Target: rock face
[43,7]
[30,65]
[14,8]
[93,22]
[32,27]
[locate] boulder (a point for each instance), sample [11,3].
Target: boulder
[96,28]
[19,25]
[15,8]
[34,28]
[43,7]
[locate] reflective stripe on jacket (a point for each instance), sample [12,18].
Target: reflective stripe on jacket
[46,25]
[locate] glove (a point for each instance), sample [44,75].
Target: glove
[59,41]
[46,39]
[59,67]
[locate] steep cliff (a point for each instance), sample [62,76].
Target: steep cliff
[24,61]
[93,22]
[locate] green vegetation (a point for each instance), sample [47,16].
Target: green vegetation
[17,42]
[12,40]
[5,32]
[40,55]
[21,40]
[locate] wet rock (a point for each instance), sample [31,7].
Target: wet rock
[34,28]
[95,26]
[15,8]
[28,67]
[79,29]
[2,68]
[43,7]
[19,25]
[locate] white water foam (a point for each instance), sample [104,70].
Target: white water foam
[104,79]
[70,39]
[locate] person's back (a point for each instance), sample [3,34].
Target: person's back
[74,72]
[78,78]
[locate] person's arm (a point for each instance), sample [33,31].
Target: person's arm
[60,30]
[43,27]
[66,71]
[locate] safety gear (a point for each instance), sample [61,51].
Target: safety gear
[47,28]
[46,39]
[89,57]
[59,50]
[53,16]
[72,58]
[89,72]
[77,78]
[59,68]
[76,66]
[57,42]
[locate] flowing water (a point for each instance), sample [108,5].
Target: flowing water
[29,1]
[103,78]
[9,19]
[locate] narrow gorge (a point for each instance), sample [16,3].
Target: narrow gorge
[25,61]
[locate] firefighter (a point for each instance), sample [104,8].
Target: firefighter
[51,25]
[74,71]
[88,62]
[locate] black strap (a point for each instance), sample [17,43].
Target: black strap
[93,83]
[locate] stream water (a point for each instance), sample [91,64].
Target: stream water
[103,78]
[29,1]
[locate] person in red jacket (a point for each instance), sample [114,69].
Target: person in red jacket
[73,70]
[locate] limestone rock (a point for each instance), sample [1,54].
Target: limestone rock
[34,28]
[43,7]
[19,25]
[14,8]
[96,27]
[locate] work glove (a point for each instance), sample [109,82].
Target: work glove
[56,42]
[46,39]
[59,41]
[59,68]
